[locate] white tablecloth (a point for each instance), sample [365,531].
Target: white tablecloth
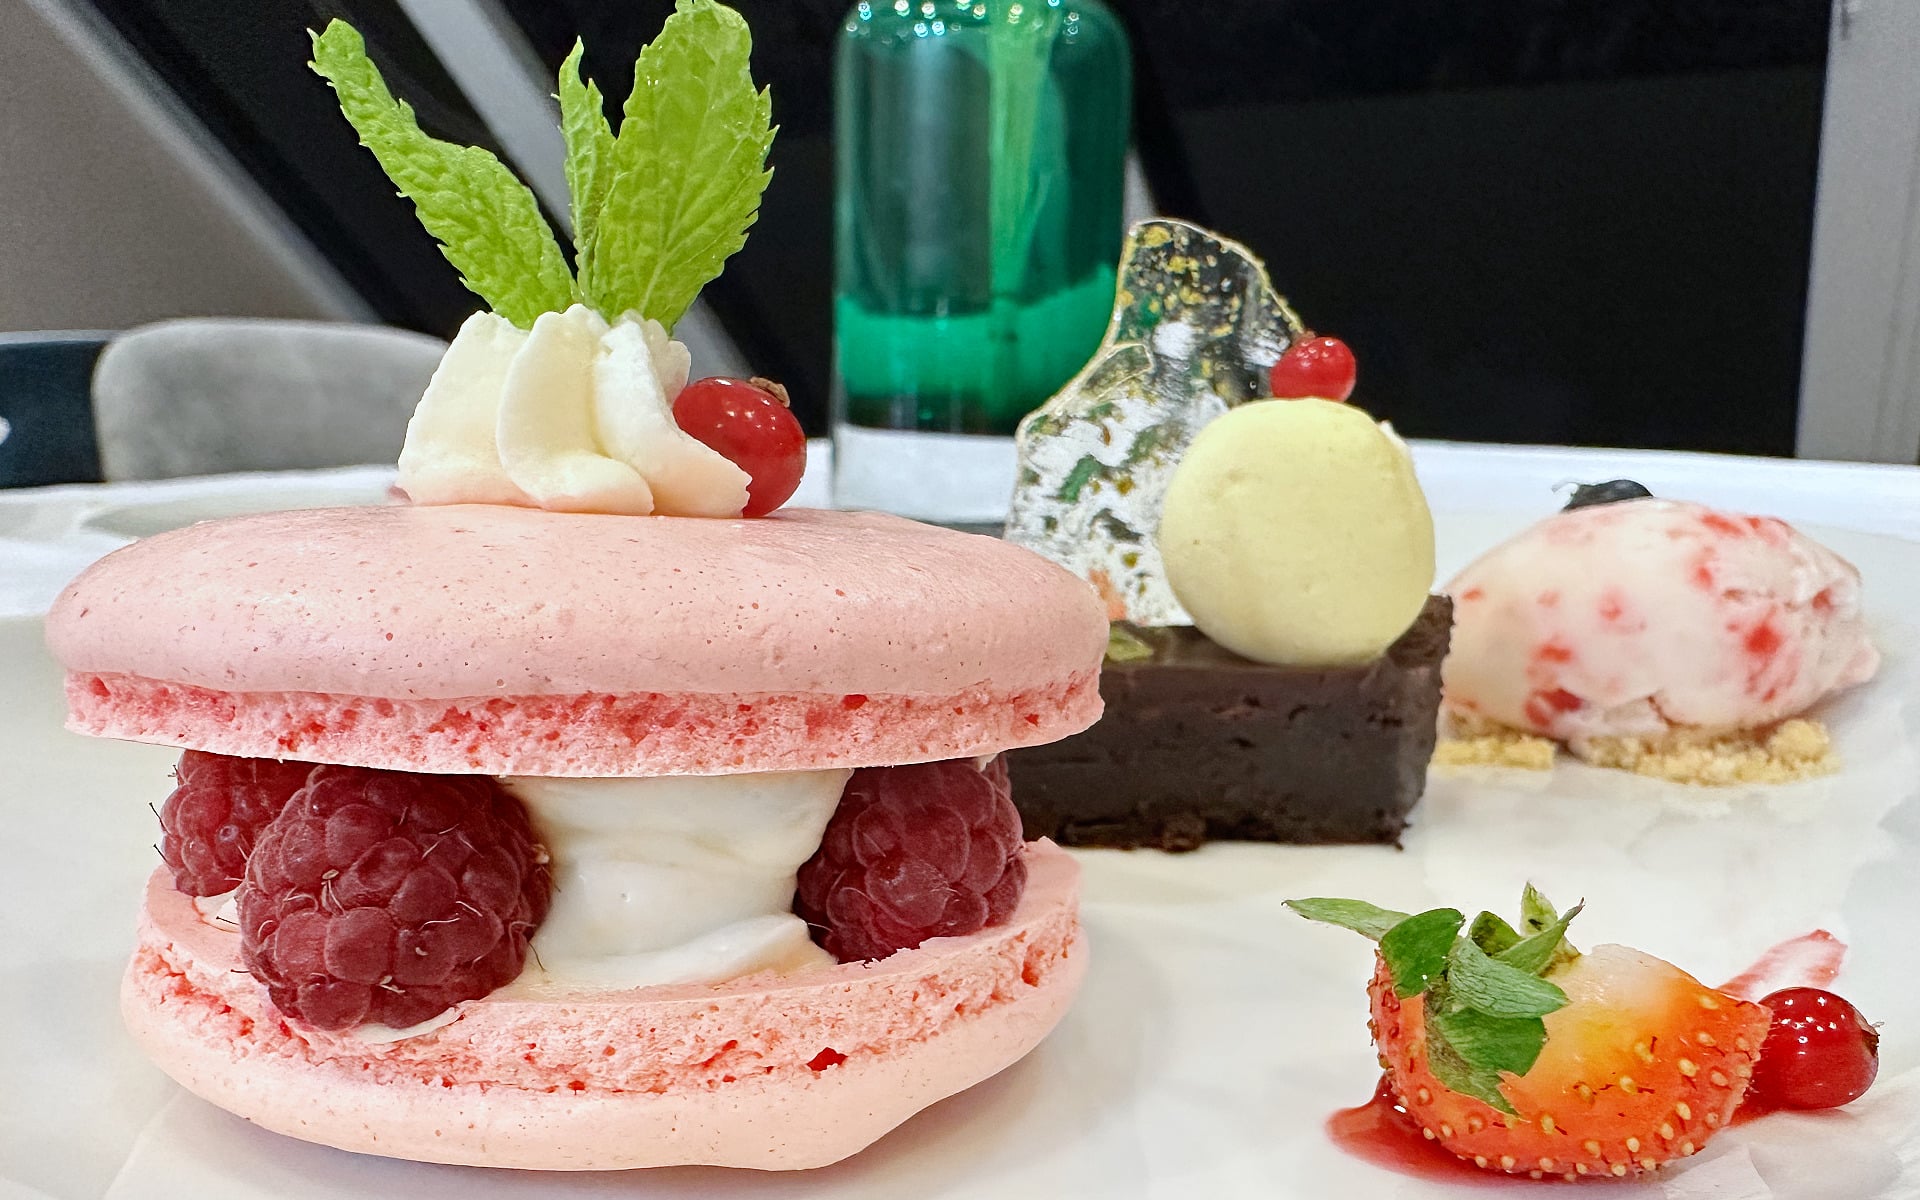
[1139,1094]
[48,535]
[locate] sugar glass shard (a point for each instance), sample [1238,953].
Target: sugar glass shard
[1196,327]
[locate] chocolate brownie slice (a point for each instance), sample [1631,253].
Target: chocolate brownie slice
[1198,743]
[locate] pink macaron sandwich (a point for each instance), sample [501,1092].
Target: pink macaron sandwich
[587,812]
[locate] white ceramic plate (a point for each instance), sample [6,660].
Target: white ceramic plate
[148,517]
[1217,1031]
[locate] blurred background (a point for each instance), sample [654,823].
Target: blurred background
[1685,224]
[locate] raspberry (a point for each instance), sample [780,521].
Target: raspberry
[916,852]
[380,897]
[208,825]
[999,775]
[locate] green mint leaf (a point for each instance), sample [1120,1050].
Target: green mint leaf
[1369,920]
[1495,988]
[1485,1043]
[487,223]
[1452,1068]
[1491,933]
[1123,645]
[688,167]
[1534,954]
[1535,913]
[1415,950]
[583,122]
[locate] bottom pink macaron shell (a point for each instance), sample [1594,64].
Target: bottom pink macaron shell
[770,1072]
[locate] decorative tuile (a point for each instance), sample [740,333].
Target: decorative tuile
[1196,327]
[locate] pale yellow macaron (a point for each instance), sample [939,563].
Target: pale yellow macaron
[1295,532]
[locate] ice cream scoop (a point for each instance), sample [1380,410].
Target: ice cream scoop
[1647,617]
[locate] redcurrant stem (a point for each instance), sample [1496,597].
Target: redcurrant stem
[777,390]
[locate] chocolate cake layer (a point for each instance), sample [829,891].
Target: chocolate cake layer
[1198,743]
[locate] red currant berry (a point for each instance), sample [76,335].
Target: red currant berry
[750,426]
[1819,1053]
[1319,367]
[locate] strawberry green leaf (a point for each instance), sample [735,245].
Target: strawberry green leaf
[1492,933]
[1368,920]
[583,122]
[1415,950]
[1535,913]
[1453,1069]
[1546,948]
[1482,993]
[688,167]
[487,223]
[1495,988]
[1485,1043]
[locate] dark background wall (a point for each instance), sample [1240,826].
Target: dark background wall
[1581,221]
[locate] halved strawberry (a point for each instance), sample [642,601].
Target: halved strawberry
[1642,1066]
[1519,1054]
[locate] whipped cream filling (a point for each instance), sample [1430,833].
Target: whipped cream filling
[670,879]
[574,415]
[383,1035]
[222,911]
[674,879]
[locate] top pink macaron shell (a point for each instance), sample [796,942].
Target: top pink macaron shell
[506,640]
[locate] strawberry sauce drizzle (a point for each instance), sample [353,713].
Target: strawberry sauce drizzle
[1810,960]
[1751,1109]
[1380,1132]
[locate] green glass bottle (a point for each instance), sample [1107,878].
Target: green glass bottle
[981,157]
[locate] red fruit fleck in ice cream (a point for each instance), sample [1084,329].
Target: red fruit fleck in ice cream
[215,814]
[385,898]
[914,852]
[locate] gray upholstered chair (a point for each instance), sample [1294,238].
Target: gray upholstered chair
[215,395]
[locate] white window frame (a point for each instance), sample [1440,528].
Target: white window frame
[1860,380]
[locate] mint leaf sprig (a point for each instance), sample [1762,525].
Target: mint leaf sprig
[583,123]
[488,224]
[686,171]
[1485,989]
[657,207]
